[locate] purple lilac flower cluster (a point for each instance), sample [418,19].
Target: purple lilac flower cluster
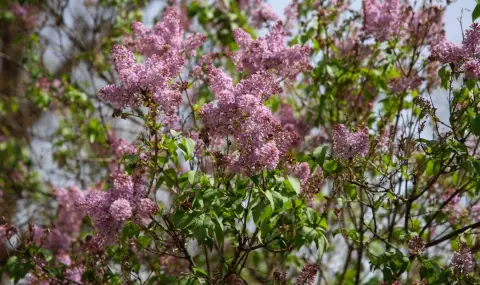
[307,275]
[402,84]
[382,20]
[109,210]
[289,122]
[121,147]
[462,261]
[416,246]
[388,19]
[301,171]
[239,111]
[466,57]
[165,53]
[347,145]
[67,225]
[262,13]
[270,54]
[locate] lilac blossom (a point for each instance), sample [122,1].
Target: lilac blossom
[416,246]
[69,219]
[403,84]
[234,279]
[307,275]
[290,123]
[291,14]
[262,13]
[347,144]
[475,212]
[471,68]
[121,147]
[239,112]
[446,51]
[466,56]
[108,210]
[270,54]
[300,171]
[62,257]
[280,278]
[26,14]
[51,239]
[313,185]
[67,225]
[165,53]
[121,210]
[3,235]
[471,42]
[462,261]
[425,26]
[382,20]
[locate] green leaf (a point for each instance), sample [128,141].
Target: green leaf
[468,165]
[330,70]
[187,146]
[475,125]
[292,183]
[476,165]
[387,274]
[321,245]
[310,234]
[143,241]
[269,196]
[320,157]
[311,215]
[476,12]
[219,233]
[330,166]
[17,268]
[191,176]
[351,191]
[47,254]
[200,272]
[257,211]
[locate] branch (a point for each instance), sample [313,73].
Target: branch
[450,235]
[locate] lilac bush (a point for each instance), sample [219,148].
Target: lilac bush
[227,144]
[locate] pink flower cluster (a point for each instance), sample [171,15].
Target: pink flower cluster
[108,210]
[382,20]
[67,224]
[165,53]
[307,275]
[462,261]
[465,56]
[290,123]
[59,239]
[392,18]
[270,54]
[402,84]
[239,110]
[262,13]
[425,26]
[301,171]
[121,147]
[347,145]
[416,246]
[291,15]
